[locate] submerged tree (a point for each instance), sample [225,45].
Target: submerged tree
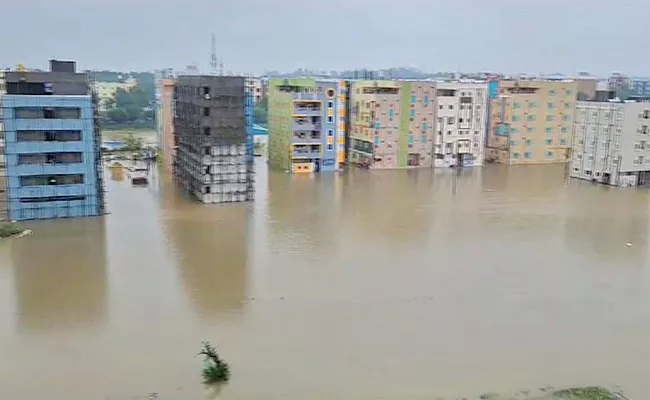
[215,370]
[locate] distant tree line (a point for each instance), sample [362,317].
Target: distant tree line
[132,108]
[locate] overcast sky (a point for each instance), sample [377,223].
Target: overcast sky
[531,36]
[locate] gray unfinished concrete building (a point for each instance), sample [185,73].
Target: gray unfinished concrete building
[212,121]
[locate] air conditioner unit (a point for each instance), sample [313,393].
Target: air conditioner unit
[207,96]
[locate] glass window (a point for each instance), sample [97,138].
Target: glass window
[548,142]
[528,154]
[376,140]
[531,130]
[549,154]
[515,155]
[550,117]
[424,138]
[529,142]
[549,130]
[563,142]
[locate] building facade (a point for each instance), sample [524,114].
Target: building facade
[165,119]
[51,154]
[640,86]
[612,143]
[254,87]
[213,117]
[531,122]
[307,124]
[391,124]
[461,116]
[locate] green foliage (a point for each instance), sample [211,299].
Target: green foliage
[133,143]
[261,111]
[586,393]
[8,229]
[215,370]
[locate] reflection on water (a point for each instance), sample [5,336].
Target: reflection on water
[210,243]
[60,276]
[367,284]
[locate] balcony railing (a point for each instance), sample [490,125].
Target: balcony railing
[306,110]
[306,126]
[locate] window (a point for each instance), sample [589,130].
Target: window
[567,105]
[206,90]
[548,130]
[551,92]
[426,101]
[412,99]
[424,138]
[549,154]
[48,136]
[330,147]
[515,118]
[451,120]
[48,112]
[440,107]
[42,180]
[515,155]
[513,143]
[569,92]
[425,127]
[330,104]
[532,117]
[532,104]
[531,130]
[529,142]
[517,105]
[411,138]
[566,118]
[451,106]
[206,130]
[548,142]
[206,111]
[51,158]
[550,106]
[550,117]
[330,118]
[330,132]
[390,113]
[376,140]
[206,151]
[528,154]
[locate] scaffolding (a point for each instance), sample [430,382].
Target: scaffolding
[45,171]
[214,160]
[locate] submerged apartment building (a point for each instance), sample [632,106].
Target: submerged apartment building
[165,119]
[612,143]
[461,118]
[212,128]
[50,143]
[391,124]
[531,122]
[307,124]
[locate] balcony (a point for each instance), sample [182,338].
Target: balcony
[307,110]
[307,137]
[307,151]
[306,124]
[306,96]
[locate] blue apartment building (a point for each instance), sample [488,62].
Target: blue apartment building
[52,160]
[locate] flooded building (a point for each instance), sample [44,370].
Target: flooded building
[212,126]
[165,119]
[612,143]
[531,122]
[391,124]
[307,124]
[461,115]
[51,151]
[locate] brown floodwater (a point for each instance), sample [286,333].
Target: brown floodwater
[365,285]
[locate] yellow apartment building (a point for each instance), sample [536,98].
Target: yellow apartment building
[531,122]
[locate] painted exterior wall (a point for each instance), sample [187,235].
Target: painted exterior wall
[461,114]
[531,122]
[165,120]
[612,143]
[25,201]
[307,125]
[391,124]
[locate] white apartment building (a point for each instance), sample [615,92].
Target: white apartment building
[611,144]
[460,124]
[254,86]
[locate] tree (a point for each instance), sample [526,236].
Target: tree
[133,143]
[215,370]
[117,115]
[260,112]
